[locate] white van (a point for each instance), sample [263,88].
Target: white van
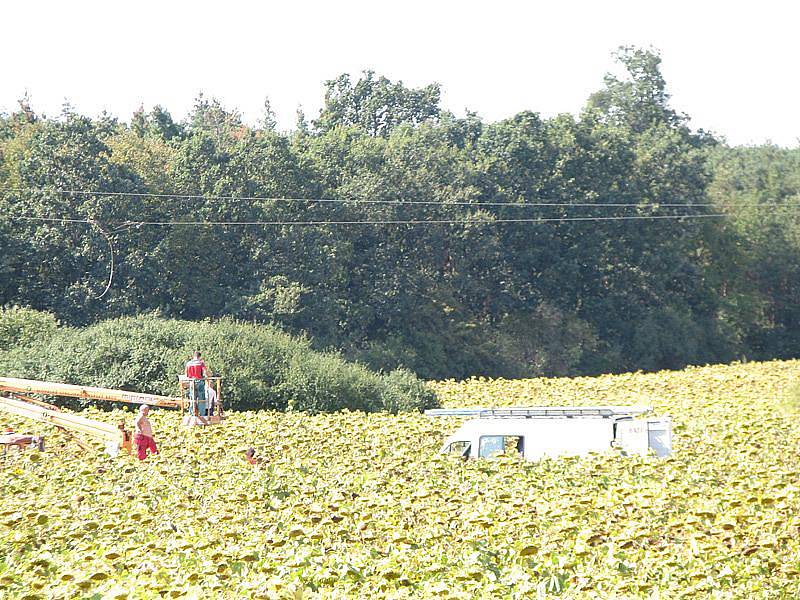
[540,431]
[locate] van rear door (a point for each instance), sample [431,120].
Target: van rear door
[639,436]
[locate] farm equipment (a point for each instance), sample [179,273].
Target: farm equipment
[113,437]
[20,403]
[539,431]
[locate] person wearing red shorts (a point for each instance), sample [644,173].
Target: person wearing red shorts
[143,434]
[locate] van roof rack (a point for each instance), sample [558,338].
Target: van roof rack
[540,412]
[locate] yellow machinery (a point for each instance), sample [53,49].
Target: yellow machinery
[114,437]
[19,402]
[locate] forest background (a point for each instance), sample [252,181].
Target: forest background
[618,239]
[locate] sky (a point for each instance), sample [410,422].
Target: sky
[730,65]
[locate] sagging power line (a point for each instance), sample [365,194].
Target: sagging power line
[353,201]
[413,222]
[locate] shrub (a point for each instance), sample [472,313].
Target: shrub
[325,383]
[403,391]
[24,326]
[262,367]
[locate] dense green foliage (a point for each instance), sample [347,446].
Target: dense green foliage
[20,327]
[262,368]
[447,300]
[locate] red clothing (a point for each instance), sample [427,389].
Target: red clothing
[143,444]
[196,368]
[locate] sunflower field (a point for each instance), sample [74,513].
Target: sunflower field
[363,505]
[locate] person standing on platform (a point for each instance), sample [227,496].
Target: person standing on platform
[197,371]
[211,399]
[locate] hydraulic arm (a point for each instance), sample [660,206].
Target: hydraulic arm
[30,386]
[64,420]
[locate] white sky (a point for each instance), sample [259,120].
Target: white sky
[731,65]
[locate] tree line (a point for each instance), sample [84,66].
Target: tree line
[563,245]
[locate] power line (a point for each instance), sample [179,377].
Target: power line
[415,221]
[394,202]
[55,219]
[106,235]
[90,222]
[129,224]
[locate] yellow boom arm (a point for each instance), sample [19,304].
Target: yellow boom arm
[62,419]
[30,386]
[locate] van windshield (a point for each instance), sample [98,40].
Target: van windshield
[460,448]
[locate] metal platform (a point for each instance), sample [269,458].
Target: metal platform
[197,421]
[541,412]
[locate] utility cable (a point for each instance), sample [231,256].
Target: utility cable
[97,226]
[129,224]
[94,224]
[443,203]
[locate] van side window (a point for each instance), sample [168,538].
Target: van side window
[493,444]
[460,448]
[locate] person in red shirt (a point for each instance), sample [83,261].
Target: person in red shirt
[197,371]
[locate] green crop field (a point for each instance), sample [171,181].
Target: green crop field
[363,505]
